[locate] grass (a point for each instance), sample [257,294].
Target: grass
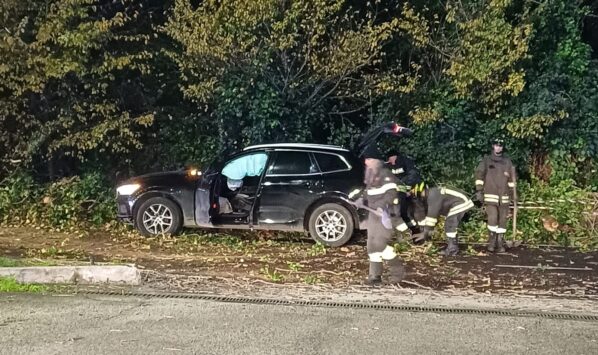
[294,266]
[312,279]
[317,249]
[230,241]
[7,262]
[11,262]
[273,276]
[9,284]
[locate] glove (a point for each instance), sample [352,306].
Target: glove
[386,220]
[418,238]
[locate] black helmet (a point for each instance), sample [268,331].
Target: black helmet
[393,152]
[498,141]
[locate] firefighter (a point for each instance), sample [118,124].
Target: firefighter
[495,182]
[379,194]
[441,201]
[404,169]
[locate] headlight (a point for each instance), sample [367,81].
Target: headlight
[194,172]
[127,189]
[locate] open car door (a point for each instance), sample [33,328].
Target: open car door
[234,190]
[204,200]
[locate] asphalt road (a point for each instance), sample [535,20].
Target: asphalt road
[36,324]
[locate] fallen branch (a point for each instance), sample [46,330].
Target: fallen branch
[333,273]
[545,267]
[413,283]
[292,271]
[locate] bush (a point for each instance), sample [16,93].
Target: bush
[68,202]
[556,214]
[17,193]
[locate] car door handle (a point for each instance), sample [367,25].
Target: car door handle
[300,183]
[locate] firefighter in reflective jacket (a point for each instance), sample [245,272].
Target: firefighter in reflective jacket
[495,182]
[405,171]
[446,202]
[380,194]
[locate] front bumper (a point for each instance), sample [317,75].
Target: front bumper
[124,205]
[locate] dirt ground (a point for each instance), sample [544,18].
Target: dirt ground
[291,259]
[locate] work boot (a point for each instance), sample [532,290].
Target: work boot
[414,229]
[452,247]
[491,241]
[396,271]
[500,243]
[375,275]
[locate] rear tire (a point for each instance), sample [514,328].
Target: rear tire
[158,216]
[331,224]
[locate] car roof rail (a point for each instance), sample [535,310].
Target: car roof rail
[298,145]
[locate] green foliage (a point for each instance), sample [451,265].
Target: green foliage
[59,86]
[317,249]
[11,285]
[402,246]
[10,262]
[61,204]
[273,275]
[557,212]
[567,208]
[294,266]
[277,70]
[486,64]
[73,200]
[312,279]
[6,262]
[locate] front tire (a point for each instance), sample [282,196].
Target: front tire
[331,224]
[158,216]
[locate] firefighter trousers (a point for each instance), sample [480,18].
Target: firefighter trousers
[451,224]
[497,217]
[379,240]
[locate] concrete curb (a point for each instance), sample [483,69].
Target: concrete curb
[86,275]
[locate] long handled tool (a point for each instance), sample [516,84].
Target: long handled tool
[514,242]
[384,216]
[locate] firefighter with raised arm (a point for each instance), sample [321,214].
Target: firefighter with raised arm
[404,169]
[380,194]
[379,197]
[495,184]
[442,201]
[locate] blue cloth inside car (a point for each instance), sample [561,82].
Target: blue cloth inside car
[247,165]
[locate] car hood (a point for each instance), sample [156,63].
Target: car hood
[168,178]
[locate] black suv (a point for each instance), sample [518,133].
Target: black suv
[287,187]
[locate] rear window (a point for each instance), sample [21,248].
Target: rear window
[330,162]
[292,163]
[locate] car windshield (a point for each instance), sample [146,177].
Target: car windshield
[247,165]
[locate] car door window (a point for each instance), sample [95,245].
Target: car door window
[292,163]
[330,162]
[247,165]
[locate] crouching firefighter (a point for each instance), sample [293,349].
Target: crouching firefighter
[405,171]
[446,202]
[495,184]
[380,194]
